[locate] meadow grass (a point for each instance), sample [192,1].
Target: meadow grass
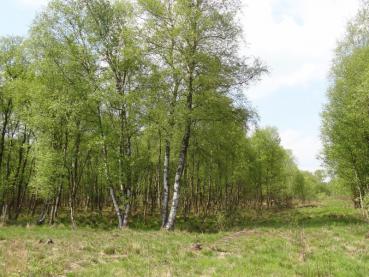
[329,239]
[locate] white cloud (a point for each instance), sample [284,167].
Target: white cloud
[294,38]
[304,147]
[277,80]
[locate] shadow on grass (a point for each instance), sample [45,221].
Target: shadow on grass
[288,219]
[312,217]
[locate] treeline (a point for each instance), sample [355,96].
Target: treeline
[138,107]
[346,116]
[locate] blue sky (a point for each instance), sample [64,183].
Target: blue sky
[295,38]
[17,15]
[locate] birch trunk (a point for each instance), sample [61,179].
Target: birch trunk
[54,209]
[179,173]
[165,184]
[183,151]
[116,207]
[127,209]
[107,173]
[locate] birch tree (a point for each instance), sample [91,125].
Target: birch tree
[208,39]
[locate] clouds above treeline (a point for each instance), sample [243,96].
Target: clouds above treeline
[296,39]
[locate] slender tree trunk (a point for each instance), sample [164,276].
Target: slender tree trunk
[43,214]
[56,205]
[19,175]
[127,208]
[71,209]
[116,207]
[3,131]
[33,205]
[179,172]
[4,213]
[107,173]
[164,211]
[198,181]
[184,148]
[74,178]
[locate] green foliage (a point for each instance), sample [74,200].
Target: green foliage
[345,118]
[92,97]
[272,168]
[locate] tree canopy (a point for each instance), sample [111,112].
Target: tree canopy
[139,106]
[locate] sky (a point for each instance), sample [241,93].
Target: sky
[294,38]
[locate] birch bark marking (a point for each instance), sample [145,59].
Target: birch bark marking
[179,172]
[166,184]
[181,160]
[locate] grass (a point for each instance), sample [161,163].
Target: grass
[327,240]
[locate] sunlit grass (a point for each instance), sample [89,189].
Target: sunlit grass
[327,240]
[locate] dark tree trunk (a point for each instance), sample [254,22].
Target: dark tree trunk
[3,131]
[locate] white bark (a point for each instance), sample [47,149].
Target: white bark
[116,207]
[127,209]
[166,184]
[178,176]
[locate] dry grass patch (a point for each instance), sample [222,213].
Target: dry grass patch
[15,258]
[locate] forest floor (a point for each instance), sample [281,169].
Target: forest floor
[326,239]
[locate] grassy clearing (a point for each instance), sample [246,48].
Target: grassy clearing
[327,240]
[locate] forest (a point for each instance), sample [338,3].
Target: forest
[138,107]
[132,114]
